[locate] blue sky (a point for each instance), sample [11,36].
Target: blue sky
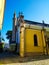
[35,10]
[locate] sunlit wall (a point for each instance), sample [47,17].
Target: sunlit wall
[2,4]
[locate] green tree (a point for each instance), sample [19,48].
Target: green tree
[9,36]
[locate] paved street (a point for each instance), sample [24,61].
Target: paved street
[13,59]
[41,62]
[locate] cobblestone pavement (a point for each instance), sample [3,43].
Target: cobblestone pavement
[41,62]
[13,59]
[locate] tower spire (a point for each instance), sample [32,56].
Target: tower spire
[14,28]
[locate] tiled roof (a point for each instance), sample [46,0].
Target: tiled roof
[36,23]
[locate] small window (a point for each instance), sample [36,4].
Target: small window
[35,40]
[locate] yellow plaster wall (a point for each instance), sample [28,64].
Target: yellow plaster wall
[29,40]
[2,6]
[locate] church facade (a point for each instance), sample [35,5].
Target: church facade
[32,37]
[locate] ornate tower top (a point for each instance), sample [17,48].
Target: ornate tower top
[21,15]
[14,19]
[14,15]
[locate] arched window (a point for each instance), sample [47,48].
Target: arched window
[35,40]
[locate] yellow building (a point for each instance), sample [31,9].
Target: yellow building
[34,39]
